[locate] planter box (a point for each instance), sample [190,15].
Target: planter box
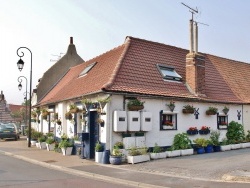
[138,159]
[161,155]
[187,152]
[67,151]
[167,127]
[50,147]
[42,145]
[225,148]
[174,153]
[236,146]
[98,157]
[245,145]
[33,142]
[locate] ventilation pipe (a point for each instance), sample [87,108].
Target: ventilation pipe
[195,37]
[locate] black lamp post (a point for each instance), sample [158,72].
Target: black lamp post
[20,65]
[19,79]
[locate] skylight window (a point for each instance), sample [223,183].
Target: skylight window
[169,73]
[87,69]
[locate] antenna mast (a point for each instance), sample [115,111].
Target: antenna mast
[193,11]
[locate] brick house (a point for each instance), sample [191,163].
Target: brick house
[158,74]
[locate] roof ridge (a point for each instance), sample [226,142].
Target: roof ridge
[117,67]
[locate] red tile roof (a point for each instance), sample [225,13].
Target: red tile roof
[131,68]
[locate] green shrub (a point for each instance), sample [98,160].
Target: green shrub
[235,132]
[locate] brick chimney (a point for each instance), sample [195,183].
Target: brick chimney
[195,65]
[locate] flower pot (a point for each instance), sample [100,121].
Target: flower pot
[160,155]
[33,142]
[235,146]
[225,147]
[216,148]
[167,127]
[208,149]
[187,111]
[187,152]
[189,132]
[135,108]
[50,147]
[67,151]
[174,153]
[210,113]
[98,156]
[115,160]
[138,158]
[200,150]
[171,108]
[204,132]
[42,145]
[245,145]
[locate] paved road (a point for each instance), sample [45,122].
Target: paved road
[206,170]
[18,173]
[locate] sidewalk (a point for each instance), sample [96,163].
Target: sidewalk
[215,167]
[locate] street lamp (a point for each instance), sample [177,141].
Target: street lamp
[20,65]
[19,79]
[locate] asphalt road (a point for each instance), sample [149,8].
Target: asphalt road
[18,173]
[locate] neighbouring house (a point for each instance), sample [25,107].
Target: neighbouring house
[51,78]
[160,75]
[7,111]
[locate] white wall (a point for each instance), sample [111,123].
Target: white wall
[184,121]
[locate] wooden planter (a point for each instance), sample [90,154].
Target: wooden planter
[135,108]
[187,111]
[210,112]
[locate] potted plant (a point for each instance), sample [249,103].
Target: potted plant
[167,124]
[204,130]
[235,134]
[116,157]
[42,142]
[214,137]
[73,108]
[209,147]
[58,121]
[188,109]
[103,102]
[98,152]
[87,103]
[100,122]
[200,144]
[247,140]
[192,131]
[183,143]
[212,111]
[120,145]
[45,113]
[66,145]
[225,110]
[137,155]
[171,105]
[225,145]
[157,153]
[50,141]
[135,104]
[68,116]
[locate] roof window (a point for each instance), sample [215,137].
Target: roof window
[87,69]
[169,73]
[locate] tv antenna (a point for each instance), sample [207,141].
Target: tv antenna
[193,11]
[58,56]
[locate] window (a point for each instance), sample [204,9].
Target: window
[87,69]
[169,73]
[168,121]
[222,121]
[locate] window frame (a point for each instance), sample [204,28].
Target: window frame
[177,76]
[165,116]
[87,69]
[222,118]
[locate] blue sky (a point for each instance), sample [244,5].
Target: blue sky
[45,26]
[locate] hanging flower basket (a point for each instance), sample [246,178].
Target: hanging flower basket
[225,110]
[212,111]
[68,116]
[188,111]
[171,106]
[135,108]
[194,132]
[204,130]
